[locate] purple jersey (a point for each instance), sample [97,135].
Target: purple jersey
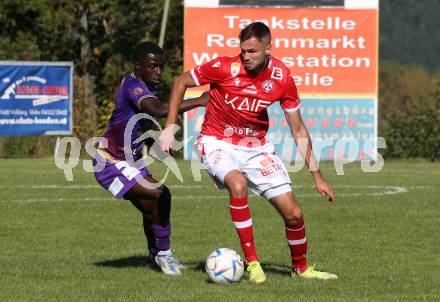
[128,97]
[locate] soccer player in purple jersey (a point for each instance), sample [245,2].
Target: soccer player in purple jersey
[119,168]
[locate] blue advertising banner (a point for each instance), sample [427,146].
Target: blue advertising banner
[340,128]
[35,98]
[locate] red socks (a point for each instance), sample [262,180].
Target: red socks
[296,235]
[297,240]
[241,217]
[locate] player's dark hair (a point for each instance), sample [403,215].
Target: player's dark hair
[257,30]
[145,48]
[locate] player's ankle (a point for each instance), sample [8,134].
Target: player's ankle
[299,269]
[164,253]
[153,251]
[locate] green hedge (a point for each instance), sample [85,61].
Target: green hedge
[27,146]
[415,134]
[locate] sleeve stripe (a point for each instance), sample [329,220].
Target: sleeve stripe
[290,110]
[144,97]
[194,77]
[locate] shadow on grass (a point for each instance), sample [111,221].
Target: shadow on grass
[268,267]
[275,268]
[198,266]
[132,261]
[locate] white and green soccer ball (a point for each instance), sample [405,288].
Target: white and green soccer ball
[224,266]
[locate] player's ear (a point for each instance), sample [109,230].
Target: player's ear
[137,65]
[268,49]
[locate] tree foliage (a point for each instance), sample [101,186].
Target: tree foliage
[98,36]
[409,32]
[402,87]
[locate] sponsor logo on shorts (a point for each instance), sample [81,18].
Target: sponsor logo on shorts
[116,186]
[271,170]
[269,166]
[215,156]
[267,161]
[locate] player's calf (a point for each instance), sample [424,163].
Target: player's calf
[164,206]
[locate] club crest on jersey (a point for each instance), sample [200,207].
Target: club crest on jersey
[137,91]
[235,69]
[267,86]
[216,64]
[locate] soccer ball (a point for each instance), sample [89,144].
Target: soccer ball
[224,266]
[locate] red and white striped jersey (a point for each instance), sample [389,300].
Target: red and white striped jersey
[237,108]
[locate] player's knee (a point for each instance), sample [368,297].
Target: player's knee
[147,206]
[293,216]
[238,189]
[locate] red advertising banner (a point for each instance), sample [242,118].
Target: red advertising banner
[330,51]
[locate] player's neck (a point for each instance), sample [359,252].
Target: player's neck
[138,76]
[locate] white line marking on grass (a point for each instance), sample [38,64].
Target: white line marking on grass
[54,200]
[75,187]
[295,186]
[185,186]
[390,190]
[406,173]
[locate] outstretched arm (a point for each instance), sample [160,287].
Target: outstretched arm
[160,109]
[304,143]
[181,83]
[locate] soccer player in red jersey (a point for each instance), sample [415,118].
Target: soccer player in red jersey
[232,143]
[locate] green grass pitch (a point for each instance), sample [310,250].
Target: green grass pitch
[71,241]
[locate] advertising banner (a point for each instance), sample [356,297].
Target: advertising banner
[35,98]
[332,53]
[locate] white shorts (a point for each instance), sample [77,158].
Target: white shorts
[265,172]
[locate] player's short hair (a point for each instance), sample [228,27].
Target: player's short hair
[143,49]
[257,30]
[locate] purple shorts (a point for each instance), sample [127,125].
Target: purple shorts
[118,178]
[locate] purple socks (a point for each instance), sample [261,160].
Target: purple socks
[163,236]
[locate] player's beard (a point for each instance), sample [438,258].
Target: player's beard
[259,67]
